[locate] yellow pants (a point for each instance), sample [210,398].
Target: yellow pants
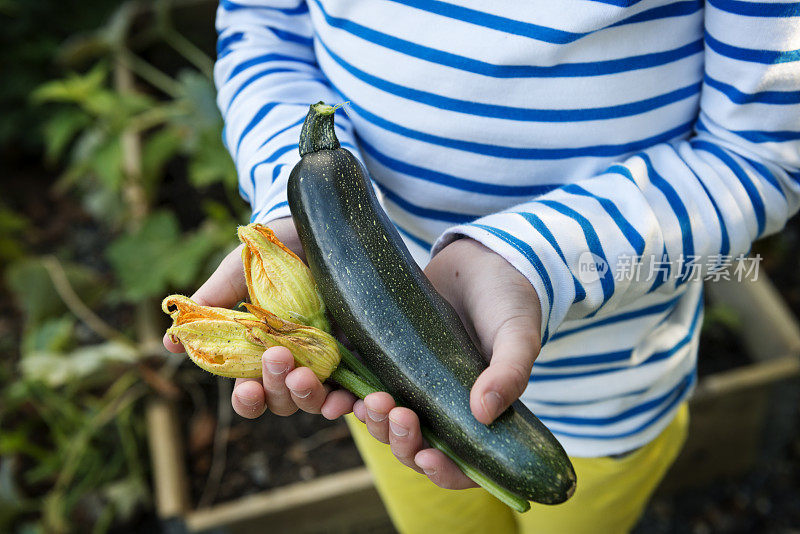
[610,496]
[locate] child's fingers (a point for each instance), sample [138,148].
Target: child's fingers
[248,398]
[338,403]
[441,470]
[405,437]
[307,392]
[275,365]
[360,411]
[377,407]
[176,348]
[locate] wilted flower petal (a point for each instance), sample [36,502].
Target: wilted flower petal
[279,281]
[213,338]
[230,343]
[311,347]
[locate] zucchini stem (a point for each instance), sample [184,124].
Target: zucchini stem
[357,366]
[318,132]
[360,387]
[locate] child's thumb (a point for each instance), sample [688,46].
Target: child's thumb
[515,347]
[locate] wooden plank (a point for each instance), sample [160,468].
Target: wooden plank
[342,502]
[166,456]
[728,414]
[767,325]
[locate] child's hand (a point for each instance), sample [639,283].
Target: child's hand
[500,307]
[283,389]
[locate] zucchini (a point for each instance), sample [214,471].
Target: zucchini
[406,333]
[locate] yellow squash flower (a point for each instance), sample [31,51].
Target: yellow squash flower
[230,343]
[279,281]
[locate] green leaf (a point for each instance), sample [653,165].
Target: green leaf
[52,335]
[56,369]
[77,88]
[61,129]
[157,257]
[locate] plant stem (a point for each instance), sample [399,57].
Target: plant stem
[506,497]
[359,387]
[352,382]
[355,365]
[79,308]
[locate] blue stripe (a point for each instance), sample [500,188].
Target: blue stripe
[725,245]
[254,78]
[635,393]
[767,57]
[495,22]
[627,316]
[455,182]
[633,237]
[618,3]
[272,157]
[741,175]
[536,31]
[762,97]
[422,243]
[227,5]
[419,211]
[291,37]
[655,357]
[661,413]
[590,68]
[276,171]
[526,250]
[259,60]
[662,275]
[592,239]
[676,9]
[761,136]
[756,136]
[276,134]
[587,359]
[758,9]
[540,227]
[516,113]
[762,169]
[258,117]
[677,391]
[520,152]
[675,202]
[225,42]
[273,208]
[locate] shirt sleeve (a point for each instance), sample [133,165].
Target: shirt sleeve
[678,206]
[266,76]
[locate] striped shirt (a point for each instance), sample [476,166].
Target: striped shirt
[569,137]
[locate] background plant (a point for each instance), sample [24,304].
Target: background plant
[139,201]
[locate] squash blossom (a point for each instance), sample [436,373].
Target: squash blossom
[230,343]
[279,281]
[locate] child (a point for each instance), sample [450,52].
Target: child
[567,172]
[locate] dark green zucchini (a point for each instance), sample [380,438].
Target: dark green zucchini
[406,333]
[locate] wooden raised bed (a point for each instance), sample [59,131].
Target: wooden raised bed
[732,413]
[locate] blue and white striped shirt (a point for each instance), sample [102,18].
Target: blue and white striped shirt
[652,129]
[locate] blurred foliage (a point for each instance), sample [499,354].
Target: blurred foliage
[33,31]
[134,138]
